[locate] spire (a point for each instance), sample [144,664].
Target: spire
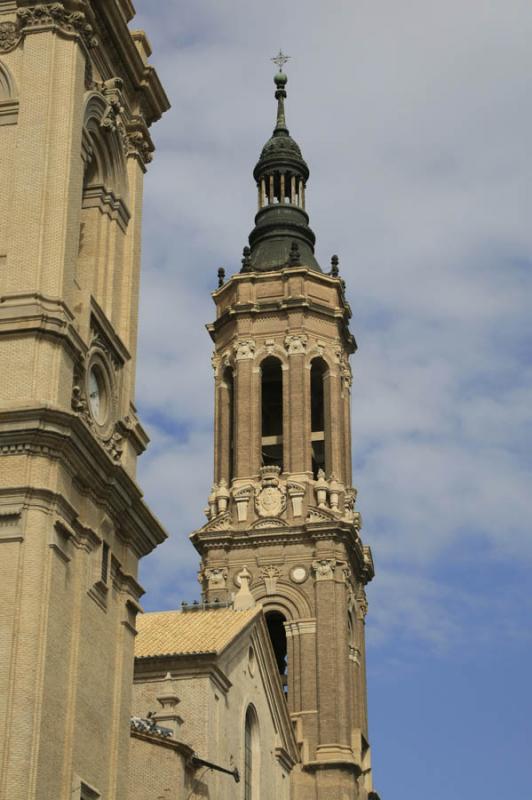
[280,95]
[281,175]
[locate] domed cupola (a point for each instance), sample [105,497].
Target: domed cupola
[282,236]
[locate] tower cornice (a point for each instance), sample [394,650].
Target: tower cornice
[291,290]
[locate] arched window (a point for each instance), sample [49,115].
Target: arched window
[272,413]
[251,756]
[318,415]
[275,622]
[228,423]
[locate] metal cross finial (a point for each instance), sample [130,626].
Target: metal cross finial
[280,60]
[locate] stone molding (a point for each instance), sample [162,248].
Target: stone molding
[25,313]
[300,627]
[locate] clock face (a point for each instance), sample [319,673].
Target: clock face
[97,395]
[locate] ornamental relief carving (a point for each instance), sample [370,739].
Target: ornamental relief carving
[296,344]
[270,576]
[55,14]
[361,604]
[138,144]
[10,36]
[216,577]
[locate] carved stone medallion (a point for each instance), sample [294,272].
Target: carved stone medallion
[270,502]
[270,496]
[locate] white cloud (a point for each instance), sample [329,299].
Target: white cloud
[416,124]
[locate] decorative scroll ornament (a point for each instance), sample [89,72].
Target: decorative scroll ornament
[245,349]
[347,375]
[324,569]
[296,343]
[216,578]
[139,144]
[112,91]
[361,604]
[270,497]
[9,36]
[55,14]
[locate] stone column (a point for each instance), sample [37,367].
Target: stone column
[222,430]
[245,398]
[332,659]
[346,402]
[334,422]
[296,404]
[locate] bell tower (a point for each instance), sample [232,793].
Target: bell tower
[283,504]
[77,99]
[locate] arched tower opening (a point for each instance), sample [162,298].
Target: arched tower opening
[271,413]
[318,372]
[228,422]
[275,622]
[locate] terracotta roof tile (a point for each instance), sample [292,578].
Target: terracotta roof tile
[165,633]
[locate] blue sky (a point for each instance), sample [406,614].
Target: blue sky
[416,122]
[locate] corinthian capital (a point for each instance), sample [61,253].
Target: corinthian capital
[57,16]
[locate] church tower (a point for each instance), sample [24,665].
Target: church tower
[77,98]
[283,504]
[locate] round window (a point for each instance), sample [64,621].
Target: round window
[97,394]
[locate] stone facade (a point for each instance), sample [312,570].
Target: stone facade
[77,97]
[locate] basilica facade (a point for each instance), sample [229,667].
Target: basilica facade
[259,690]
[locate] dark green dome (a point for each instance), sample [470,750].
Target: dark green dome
[282,236]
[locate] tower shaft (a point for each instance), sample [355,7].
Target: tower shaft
[283,506]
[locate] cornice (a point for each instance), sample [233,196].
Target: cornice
[179,747]
[311,533]
[152,668]
[142,77]
[30,313]
[52,433]
[340,313]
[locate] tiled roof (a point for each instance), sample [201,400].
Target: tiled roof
[165,633]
